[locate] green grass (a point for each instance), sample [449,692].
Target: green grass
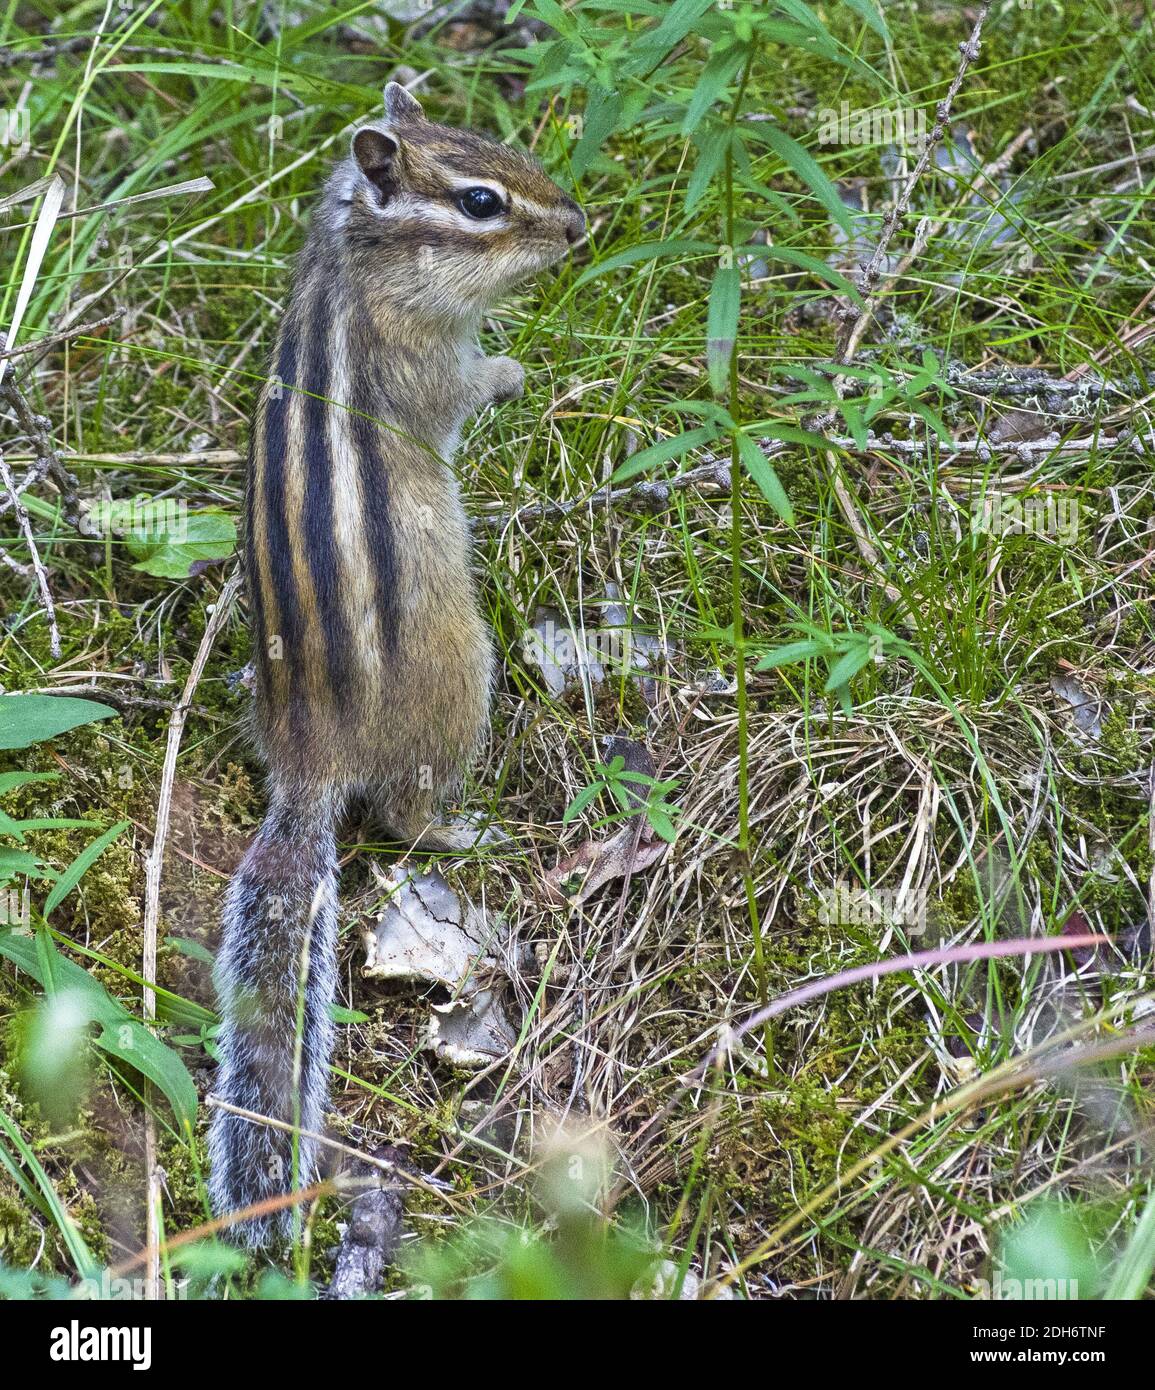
[947,768]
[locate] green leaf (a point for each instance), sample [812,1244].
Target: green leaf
[121,1036]
[711,84]
[855,423]
[762,471]
[712,149]
[785,209]
[705,410]
[556,17]
[816,267]
[791,652]
[1132,1276]
[207,1259]
[654,45]
[663,451]
[866,11]
[802,163]
[196,541]
[80,866]
[79,1253]
[59,973]
[646,251]
[722,325]
[213,72]
[600,120]
[810,24]
[17,861]
[580,802]
[192,949]
[342,1015]
[29,719]
[933,419]
[9,781]
[59,823]
[847,667]
[131,1042]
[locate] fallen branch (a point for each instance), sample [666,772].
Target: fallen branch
[1021,451]
[43,345]
[713,475]
[118,699]
[1015,383]
[138,456]
[59,48]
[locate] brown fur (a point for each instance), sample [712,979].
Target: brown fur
[404,295]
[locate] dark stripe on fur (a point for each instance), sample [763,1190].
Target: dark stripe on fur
[252,571]
[319,521]
[277,539]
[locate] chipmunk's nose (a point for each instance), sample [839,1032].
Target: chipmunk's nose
[575,226]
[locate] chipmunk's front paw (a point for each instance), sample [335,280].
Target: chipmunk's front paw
[506,379]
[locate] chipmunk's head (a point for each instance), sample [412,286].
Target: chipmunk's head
[445,221]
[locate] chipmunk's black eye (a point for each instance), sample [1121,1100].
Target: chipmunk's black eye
[480,202]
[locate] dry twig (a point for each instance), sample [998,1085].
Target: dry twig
[713,475]
[37,564]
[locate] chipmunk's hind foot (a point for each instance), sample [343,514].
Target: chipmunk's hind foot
[423,827]
[459,834]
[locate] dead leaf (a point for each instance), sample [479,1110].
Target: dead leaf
[427,934]
[430,935]
[470,1032]
[597,862]
[1086,707]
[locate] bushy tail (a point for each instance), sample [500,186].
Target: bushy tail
[276,977]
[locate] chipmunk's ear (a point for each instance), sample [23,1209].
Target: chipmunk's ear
[401,104]
[375,152]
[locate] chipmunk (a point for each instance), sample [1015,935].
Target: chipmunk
[374,666]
